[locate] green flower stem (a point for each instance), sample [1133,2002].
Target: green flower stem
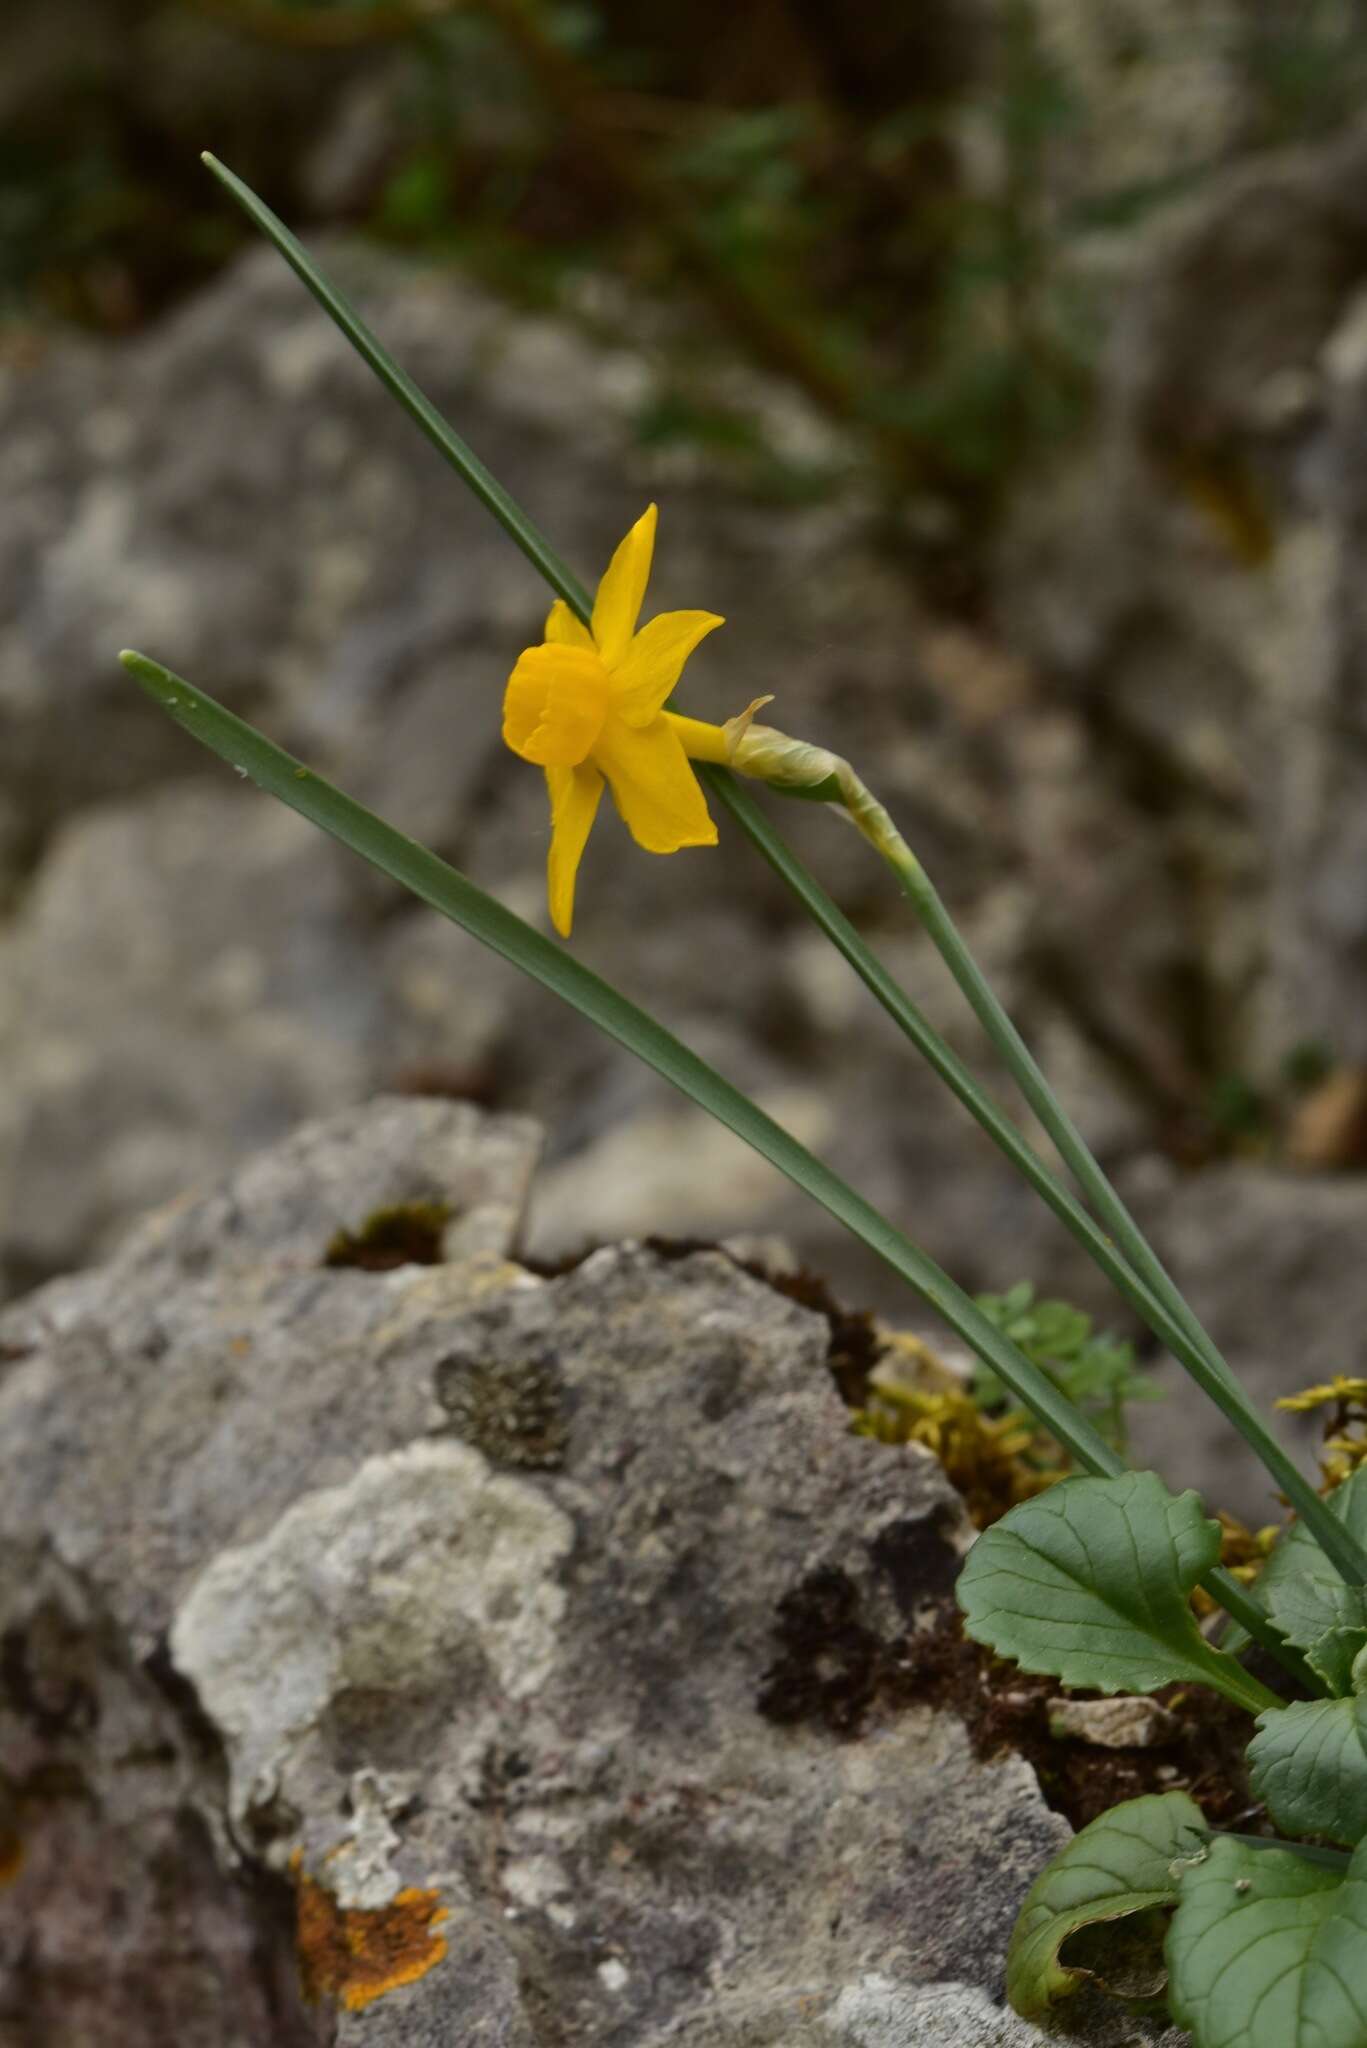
[544,558]
[1180,1330]
[941,1057]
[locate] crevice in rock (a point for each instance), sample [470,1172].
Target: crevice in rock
[405,1234]
[113,1778]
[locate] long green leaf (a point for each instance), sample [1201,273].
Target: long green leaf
[545,559]
[742,806]
[400,385]
[275,771]
[538,550]
[1194,1348]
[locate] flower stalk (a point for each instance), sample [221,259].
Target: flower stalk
[795,768]
[702,744]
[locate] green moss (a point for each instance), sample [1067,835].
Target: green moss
[407,1234]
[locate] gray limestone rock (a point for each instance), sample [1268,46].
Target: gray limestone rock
[1159,870]
[1273,1263]
[232,491]
[449,1653]
[1192,583]
[877,2013]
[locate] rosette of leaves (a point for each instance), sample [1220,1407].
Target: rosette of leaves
[1266,1939]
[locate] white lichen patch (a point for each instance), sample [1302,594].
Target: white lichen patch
[360,1872]
[424,1560]
[534,1881]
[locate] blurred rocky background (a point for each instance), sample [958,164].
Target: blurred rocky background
[1000,367]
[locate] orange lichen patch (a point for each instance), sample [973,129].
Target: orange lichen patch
[358,1954]
[11,1858]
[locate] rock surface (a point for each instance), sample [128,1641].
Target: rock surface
[1147,816]
[1192,585]
[447,1653]
[239,497]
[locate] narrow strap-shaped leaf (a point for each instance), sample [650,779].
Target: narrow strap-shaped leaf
[1091,1582]
[556,969]
[534,545]
[1196,1353]
[400,385]
[1328,1859]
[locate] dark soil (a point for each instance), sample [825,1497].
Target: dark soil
[1008,1710]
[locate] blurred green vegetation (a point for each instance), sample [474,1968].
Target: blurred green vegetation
[878,206]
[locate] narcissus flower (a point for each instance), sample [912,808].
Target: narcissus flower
[588,707]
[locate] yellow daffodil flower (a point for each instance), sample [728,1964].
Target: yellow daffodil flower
[588,707]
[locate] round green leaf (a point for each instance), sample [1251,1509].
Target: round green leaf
[1298,1554]
[1121,1864]
[1308,1764]
[1090,1582]
[1267,1950]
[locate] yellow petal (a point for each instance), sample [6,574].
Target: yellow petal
[618,603]
[574,800]
[564,629]
[653,663]
[654,786]
[555,704]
